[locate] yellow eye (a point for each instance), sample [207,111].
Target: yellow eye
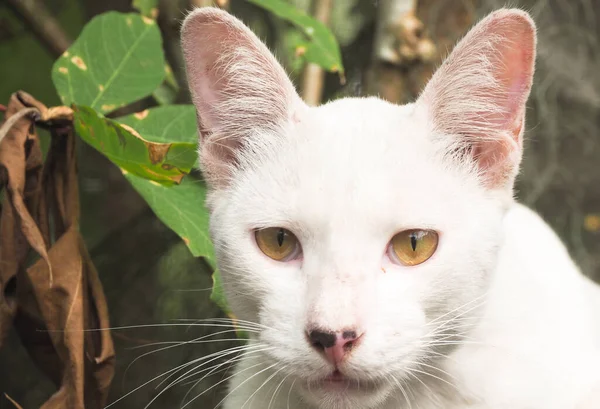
[412,247]
[277,243]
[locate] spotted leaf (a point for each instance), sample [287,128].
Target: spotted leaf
[117,59]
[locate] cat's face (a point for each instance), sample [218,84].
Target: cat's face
[360,235]
[344,188]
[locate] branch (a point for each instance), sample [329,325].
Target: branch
[44,25]
[400,44]
[314,75]
[14,402]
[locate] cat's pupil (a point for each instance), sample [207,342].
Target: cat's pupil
[280,237]
[413,242]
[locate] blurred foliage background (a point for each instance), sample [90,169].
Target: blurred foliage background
[150,277]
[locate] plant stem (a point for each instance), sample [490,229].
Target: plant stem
[386,79]
[314,76]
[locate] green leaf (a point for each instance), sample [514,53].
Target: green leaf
[148,8]
[294,42]
[117,59]
[181,208]
[321,47]
[165,124]
[149,158]
[172,124]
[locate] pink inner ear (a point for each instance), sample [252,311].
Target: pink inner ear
[477,97]
[208,37]
[515,61]
[201,83]
[238,87]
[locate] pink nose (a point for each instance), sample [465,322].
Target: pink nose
[335,346]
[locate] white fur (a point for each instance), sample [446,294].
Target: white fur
[498,318]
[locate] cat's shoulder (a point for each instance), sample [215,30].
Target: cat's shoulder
[520,218]
[531,243]
[539,331]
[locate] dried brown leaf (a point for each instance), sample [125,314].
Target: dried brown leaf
[61,292]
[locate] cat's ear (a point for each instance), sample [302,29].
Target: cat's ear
[476,99]
[239,89]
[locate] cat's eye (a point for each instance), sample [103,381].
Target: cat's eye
[277,243]
[412,247]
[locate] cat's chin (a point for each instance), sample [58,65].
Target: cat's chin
[336,390]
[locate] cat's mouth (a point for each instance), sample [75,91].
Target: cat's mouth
[336,377]
[344,390]
[336,381]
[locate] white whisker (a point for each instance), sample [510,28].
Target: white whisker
[290,393]
[402,391]
[263,384]
[276,390]
[436,377]
[242,383]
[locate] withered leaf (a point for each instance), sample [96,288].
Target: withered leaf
[53,302]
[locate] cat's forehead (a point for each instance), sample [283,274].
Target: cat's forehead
[351,158]
[356,137]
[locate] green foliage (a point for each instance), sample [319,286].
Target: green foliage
[163,162]
[167,92]
[181,207]
[319,45]
[165,124]
[117,60]
[172,124]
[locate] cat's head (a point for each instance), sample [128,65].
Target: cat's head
[360,235]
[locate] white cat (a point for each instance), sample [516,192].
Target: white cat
[378,248]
